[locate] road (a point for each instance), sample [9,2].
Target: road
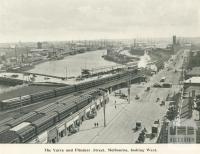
[121,120]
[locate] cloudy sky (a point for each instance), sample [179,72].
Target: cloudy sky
[40,20]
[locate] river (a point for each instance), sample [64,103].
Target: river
[72,65]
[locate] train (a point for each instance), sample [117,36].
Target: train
[37,97]
[27,127]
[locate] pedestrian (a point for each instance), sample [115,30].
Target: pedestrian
[97,124]
[115,106]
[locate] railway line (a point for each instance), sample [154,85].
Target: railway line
[40,119]
[38,97]
[24,128]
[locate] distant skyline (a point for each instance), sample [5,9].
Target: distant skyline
[51,20]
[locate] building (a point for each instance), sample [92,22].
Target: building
[193,81]
[39,45]
[174,40]
[194,72]
[184,133]
[198,132]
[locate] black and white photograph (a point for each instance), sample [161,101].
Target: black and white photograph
[100,72]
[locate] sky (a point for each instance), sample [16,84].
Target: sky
[51,20]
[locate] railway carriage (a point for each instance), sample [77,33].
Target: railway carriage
[21,119]
[45,122]
[64,90]
[15,102]
[4,128]
[26,133]
[66,111]
[42,96]
[83,101]
[9,137]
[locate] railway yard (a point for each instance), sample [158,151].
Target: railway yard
[99,76]
[128,105]
[48,117]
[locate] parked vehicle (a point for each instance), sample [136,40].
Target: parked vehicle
[157,85]
[138,125]
[166,85]
[137,97]
[163,79]
[148,88]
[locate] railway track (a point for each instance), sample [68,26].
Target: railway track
[34,98]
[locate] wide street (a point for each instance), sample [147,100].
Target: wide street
[121,120]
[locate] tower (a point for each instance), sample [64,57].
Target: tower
[174,40]
[39,45]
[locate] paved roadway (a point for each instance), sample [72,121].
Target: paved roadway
[121,120]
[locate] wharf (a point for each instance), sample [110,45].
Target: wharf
[45,75]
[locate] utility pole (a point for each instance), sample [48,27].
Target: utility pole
[129,88]
[20,104]
[104,110]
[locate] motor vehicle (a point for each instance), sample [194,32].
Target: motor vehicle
[137,97]
[123,96]
[157,85]
[166,85]
[148,88]
[163,79]
[138,125]
[162,103]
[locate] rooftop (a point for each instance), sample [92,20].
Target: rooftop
[194,72]
[20,126]
[193,80]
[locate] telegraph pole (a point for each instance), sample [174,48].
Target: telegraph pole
[104,110]
[104,113]
[129,97]
[20,104]
[129,88]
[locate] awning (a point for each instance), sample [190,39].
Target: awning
[98,102]
[69,123]
[93,106]
[76,118]
[42,137]
[82,112]
[87,110]
[61,128]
